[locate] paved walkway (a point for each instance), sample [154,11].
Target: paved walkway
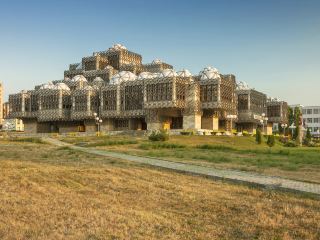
[231,175]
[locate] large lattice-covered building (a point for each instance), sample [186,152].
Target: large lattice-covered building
[128,95]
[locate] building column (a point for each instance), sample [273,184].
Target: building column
[153,120]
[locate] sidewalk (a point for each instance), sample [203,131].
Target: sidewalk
[230,175]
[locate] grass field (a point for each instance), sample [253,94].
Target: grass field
[47,192]
[241,153]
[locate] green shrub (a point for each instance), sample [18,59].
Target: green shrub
[290,144]
[308,138]
[30,140]
[271,141]
[258,136]
[146,146]
[111,143]
[161,135]
[187,132]
[215,147]
[246,133]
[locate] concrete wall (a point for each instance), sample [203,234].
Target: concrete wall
[154,125]
[107,125]
[65,127]
[32,126]
[211,123]
[90,126]
[192,121]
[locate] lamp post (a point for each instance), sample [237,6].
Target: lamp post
[292,127]
[284,126]
[98,121]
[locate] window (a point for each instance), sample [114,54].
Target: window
[316,129]
[316,111]
[309,111]
[309,120]
[304,111]
[316,120]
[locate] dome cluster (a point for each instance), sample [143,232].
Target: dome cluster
[273,99]
[184,73]
[79,78]
[168,73]
[117,47]
[123,76]
[209,73]
[242,86]
[58,86]
[156,61]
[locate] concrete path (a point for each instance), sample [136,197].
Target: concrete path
[230,175]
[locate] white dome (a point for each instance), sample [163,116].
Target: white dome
[184,73]
[273,99]
[209,73]
[79,78]
[123,76]
[48,85]
[108,67]
[88,87]
[242,86]
[98,80]
[156,75]
[145,75]
[62,86]
[168,73]
[117,47]
[156,61]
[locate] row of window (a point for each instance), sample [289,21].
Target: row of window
[311,120]
[311,111]
[314,129]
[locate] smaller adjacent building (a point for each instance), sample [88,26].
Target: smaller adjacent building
[277,112]
[311,118]
[251,108]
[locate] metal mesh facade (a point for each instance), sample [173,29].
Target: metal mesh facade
[152,96]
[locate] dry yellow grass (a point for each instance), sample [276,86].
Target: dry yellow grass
[57,193]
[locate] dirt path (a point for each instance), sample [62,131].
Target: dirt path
[230,175]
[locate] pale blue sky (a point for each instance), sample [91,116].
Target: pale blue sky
[272,45]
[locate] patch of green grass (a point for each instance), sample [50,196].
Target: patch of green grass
[146,146]
[30,140]
[112,143]
[215,147]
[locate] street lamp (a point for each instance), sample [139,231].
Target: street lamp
[98,121]
[284,126]
[292,127]
[264,118]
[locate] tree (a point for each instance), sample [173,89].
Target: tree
[297,113]
[271,141]
[308,135]
[258,136]
[290,116]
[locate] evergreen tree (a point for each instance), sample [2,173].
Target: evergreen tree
[258,136]
[308,135]
[296,122]
[271,141]
[290,115]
